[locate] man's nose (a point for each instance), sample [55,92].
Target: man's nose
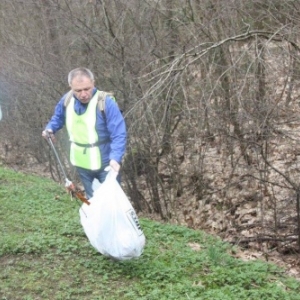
[83,94]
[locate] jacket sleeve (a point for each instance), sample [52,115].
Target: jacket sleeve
[58,119]
[117,129]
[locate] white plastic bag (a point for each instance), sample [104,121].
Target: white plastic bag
[110,222]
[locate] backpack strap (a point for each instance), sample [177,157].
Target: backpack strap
[68,98]
[101,102]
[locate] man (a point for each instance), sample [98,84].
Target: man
[98,139]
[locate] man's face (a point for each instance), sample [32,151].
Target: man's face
[82,88]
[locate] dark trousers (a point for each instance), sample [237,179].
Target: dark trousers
[87,177]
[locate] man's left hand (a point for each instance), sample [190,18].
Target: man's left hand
[115,165]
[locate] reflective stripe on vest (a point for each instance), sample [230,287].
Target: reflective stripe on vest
[82,131]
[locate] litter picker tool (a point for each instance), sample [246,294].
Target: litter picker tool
[68,183]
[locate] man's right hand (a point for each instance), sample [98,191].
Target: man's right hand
[48,133]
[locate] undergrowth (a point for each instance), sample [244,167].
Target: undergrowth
[44,254]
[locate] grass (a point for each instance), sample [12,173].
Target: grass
[44,254]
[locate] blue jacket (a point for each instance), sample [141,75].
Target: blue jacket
[113,128]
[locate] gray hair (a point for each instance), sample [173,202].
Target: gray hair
[80,72]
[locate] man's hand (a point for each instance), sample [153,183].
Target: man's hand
[48,133]
[115,165]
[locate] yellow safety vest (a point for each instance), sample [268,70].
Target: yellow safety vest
[84,150]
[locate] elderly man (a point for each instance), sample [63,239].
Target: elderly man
[97,132]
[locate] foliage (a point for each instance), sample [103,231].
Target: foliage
[44,254]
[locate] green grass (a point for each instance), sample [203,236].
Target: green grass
[44,254]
